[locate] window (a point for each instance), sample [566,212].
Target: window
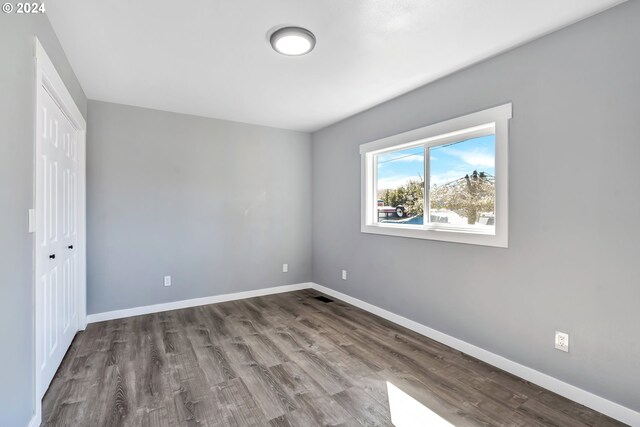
[447,181]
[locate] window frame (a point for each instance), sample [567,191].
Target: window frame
[457,129]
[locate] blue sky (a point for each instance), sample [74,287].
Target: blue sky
[448,162]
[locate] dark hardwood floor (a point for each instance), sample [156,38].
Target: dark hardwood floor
[283,360]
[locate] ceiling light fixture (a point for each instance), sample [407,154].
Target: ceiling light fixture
[293,41]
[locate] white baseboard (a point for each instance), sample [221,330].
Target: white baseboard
[569,391]
[37,417]
[175,305]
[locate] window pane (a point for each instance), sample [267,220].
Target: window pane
[400,186]
[462,184]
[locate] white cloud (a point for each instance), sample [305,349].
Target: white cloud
[395,181]
[474,158]
[479,159]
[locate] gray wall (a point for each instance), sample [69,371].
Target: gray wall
[17,109]
[218,205]
[572,262]
[246,208]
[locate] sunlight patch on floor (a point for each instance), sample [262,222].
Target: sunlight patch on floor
[408,412]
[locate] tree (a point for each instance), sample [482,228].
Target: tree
[409,195]
[467,196]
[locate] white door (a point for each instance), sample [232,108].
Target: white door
[57,234]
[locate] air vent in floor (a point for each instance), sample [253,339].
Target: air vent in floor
[323,299]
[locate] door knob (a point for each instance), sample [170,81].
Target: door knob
[70,246]
[52,256]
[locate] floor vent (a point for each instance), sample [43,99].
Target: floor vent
[324,299]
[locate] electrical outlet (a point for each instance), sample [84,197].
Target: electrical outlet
[562,341]
[344,274]
[167,280]
[285,268]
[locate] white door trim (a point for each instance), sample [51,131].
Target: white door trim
[48,77]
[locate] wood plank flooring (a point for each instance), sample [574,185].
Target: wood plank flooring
[283,360]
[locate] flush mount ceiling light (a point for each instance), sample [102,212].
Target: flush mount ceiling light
[293,41]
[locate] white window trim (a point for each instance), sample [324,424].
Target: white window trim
[438,134]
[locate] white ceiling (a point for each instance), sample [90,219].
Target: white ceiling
[212,57]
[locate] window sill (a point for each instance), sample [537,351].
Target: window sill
[440,233]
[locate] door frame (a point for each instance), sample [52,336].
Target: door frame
[47,78]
